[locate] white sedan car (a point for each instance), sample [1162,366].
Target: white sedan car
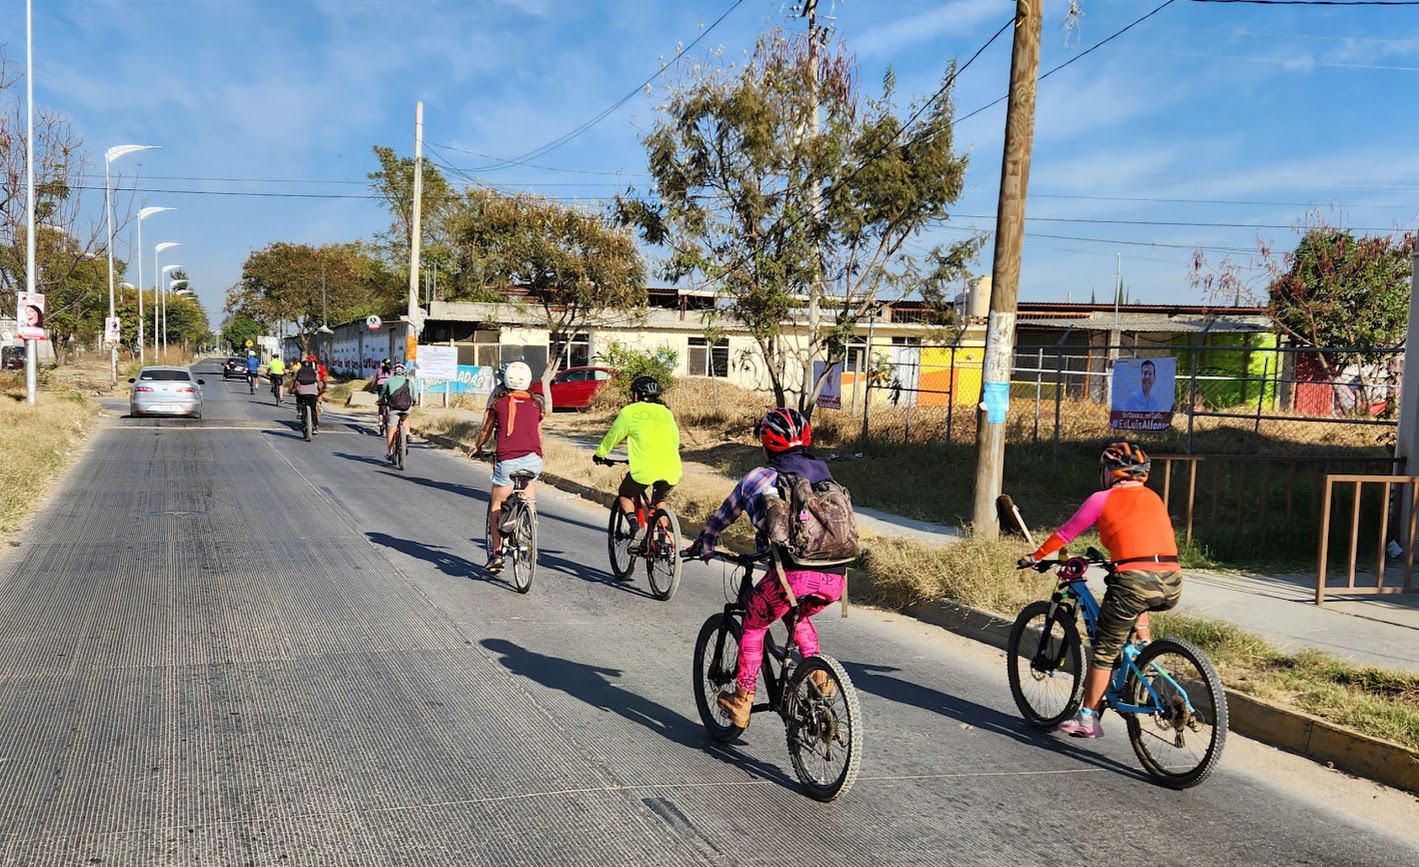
[165,391]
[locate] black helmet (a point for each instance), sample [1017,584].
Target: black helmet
[647,387]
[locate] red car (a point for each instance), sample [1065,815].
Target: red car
[574,387]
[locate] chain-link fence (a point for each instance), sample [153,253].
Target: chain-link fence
[1192,399]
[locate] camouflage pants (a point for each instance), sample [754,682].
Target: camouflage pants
[1130,594]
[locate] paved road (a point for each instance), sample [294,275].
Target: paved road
[220,644]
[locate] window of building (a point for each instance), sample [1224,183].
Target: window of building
[578,352]
[708,359]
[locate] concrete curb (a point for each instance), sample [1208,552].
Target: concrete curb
[1291,730]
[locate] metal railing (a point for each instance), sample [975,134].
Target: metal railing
[1385,544]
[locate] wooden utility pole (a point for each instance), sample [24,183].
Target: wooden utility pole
[1005,273]
[415,230]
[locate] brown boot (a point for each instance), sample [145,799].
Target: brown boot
[825,684]
[738,705]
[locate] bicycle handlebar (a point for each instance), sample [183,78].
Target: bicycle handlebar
[1091,555]
[735,557]
[608,461]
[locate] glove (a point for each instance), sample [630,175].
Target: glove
[697,549]
[1025,562]
[598,459]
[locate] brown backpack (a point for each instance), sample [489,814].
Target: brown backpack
[813,524]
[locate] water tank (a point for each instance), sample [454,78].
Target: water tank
[978,302]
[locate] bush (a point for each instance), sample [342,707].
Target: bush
[630,363]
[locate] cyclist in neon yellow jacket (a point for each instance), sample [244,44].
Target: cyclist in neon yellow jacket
[653,445]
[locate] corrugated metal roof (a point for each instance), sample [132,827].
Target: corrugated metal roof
[1144,322]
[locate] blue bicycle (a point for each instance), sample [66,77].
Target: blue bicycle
[1166,691]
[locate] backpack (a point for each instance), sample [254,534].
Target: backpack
[812,523]
[400,399]
[309,374]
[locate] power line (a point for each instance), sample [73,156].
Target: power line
[568,136]
[1316,2]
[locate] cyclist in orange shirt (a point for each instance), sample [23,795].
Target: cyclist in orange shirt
[1135,528]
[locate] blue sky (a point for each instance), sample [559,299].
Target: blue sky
[267,110]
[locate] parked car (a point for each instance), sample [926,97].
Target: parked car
[574,387]
[165,391]
[12,357]
[234,367]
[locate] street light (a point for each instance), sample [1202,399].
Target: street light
[157,289]
[109,156]
[143,214]
[166,269]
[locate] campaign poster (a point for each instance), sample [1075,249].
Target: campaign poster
[831,397]
[1143,393]
[31,316]
[112,331]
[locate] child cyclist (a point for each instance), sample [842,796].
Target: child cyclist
[785,435]
[1135,528]
[652,446]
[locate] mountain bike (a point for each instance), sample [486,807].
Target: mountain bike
[1166,690]
[660,538]
[401,442]
[309,419]
[519,529]
[821,714]
[276,388]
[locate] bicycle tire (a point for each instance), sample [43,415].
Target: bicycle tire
[618,543]
[712,676]
[488,531]
[663,564]
[1049,691]
[825,736]
[524,553]
[1175,764]
[401,448]
[305,422]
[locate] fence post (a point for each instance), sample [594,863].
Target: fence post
[1059,387]
[1039,381]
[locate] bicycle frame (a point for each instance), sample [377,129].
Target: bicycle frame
[1076,590]
[775,681]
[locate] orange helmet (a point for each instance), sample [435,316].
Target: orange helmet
[1123,461]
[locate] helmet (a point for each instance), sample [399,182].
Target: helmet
[783,429]
[311,357]
[518,376]
[250,352]
[386,362]
[645,386]
[399,368]
[1123,462]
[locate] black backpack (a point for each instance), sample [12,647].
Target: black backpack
[813,524]
[309,374]
[400,398]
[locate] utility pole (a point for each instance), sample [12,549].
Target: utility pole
[414,229]
[1005,273]
[815,292]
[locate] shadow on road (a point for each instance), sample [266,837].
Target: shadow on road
[875,679]
[548,559]
[449,564]
[364,459]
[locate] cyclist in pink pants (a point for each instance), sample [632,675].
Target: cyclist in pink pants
[785,435]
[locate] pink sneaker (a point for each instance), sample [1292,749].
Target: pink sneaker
[1082,725]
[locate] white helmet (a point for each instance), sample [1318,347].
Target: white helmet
[518,376]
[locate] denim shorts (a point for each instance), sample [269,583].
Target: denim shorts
[503,470]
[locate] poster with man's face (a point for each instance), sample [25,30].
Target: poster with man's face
[1143,391]
[31,316]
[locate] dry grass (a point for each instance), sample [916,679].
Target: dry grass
[1383,704]
[39,444]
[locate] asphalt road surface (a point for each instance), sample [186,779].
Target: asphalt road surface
[220,644]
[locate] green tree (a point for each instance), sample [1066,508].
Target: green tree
[757,197]
[393,183]
[577,267]
[238,329]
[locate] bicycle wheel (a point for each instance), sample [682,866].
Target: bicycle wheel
[1177,745]
[1045,663]
[662,563]
[825,735]
[401,448]
[305,422]
[618,543]
[716,662]
[488,531]
[524,552]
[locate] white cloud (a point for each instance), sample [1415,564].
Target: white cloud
[953,19]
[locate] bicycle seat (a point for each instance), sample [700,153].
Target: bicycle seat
[522,476]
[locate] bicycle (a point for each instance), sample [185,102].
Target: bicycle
[251,382]
[657,548]
[383,420]
[825,737]
[401,442]
[1166,690]
[310,418]
[519,529]
[276,388]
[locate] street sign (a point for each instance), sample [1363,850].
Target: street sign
[249,344]
[373,322]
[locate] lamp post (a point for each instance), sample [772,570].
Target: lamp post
[166,269]
[142,215]
[157,292]
[109,156]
